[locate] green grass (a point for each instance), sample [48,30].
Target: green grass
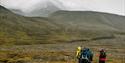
[61,26]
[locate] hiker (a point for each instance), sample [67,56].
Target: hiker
[78,53]
[86,56]
[102,56]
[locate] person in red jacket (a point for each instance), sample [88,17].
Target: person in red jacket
[102,56]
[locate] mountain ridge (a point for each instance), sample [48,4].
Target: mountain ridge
[96,12]
[58,28]
[89,17]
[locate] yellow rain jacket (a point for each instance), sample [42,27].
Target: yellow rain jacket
[78,52]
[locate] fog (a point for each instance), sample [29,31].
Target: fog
[29,6]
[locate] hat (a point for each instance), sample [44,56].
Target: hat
[79,48]
[102,50]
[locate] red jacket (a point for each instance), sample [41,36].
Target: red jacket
[102,59]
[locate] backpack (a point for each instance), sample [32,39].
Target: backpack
[103,54]
[84,55]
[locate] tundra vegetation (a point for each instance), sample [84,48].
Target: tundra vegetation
[54,39]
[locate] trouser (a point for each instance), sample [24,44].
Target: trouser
[101,61]
[79,60]
[84,61]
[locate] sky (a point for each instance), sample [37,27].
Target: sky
[27,6]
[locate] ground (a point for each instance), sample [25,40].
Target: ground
[63,52]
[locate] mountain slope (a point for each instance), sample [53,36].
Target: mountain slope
[61,26]
[18,29]
[89,19]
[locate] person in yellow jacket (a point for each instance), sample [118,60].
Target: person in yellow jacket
[78,53]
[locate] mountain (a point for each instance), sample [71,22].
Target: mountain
[40,10]
[69,5]
[90,19]
[16,29]
[61,26]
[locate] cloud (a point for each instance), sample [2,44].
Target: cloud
[110,6]
[23,5]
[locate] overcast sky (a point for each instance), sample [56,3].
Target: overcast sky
[110,6]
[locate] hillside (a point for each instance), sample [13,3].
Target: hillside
[61,26]
[16,29]
[90,19]
[89,25]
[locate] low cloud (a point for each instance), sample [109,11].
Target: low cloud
[110,6]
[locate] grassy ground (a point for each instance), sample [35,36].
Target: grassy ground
[20,36]
[62,52]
